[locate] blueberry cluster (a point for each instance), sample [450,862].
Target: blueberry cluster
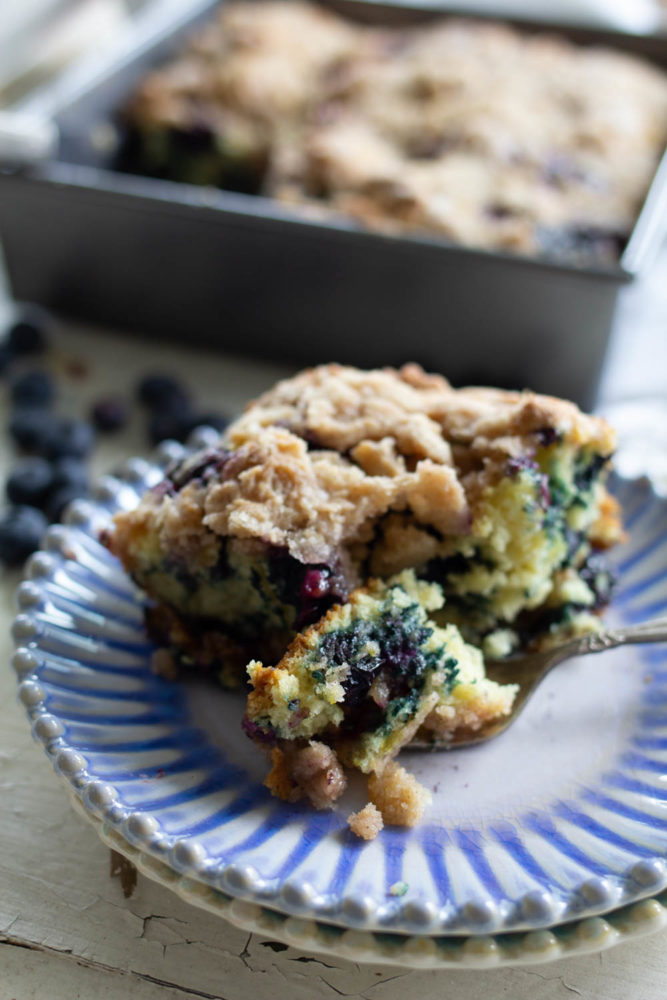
[396,640]
[51,469]
[27,335]
[393,650]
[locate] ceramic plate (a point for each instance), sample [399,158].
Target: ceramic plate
[561,818]
[581,937]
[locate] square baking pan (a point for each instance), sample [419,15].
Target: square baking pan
[247,274]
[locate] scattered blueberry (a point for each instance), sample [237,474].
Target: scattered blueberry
[209,419]
[27,335]
[33,389]
[30,428]
[174,424]
[55,472]
[162,391]
[5,357]
[60,498]
[70,472]
[21,530]
[30,482]
[109,414]
[69,437]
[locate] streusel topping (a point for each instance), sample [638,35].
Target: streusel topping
[314,462]
[255,64]
[339,407]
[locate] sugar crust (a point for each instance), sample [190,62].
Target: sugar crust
[318,459]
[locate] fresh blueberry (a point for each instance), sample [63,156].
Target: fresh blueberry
[175,424]
[33,389]
[162,391]
[109,414]
[181,422]
[208,419]
[21,530]
[70,472]
[69,437]
[30,428]
[5,357]
[30,482]
[60,498]
[27,335]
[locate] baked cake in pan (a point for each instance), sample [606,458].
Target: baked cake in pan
[472,131]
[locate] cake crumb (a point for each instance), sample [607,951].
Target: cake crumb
[279,781]
[398,795]
[366,823]
[313,771]
[318,773]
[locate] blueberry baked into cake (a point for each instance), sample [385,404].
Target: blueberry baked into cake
[472,131]
[371,672]
[359,684]
[368,535]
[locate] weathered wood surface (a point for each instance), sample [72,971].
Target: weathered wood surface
[66,930]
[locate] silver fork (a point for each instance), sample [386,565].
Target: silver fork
[530,670]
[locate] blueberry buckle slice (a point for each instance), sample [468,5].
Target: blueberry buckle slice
[369,674]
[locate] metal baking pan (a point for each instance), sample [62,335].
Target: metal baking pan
[250,275]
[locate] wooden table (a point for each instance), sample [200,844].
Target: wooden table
[66,930]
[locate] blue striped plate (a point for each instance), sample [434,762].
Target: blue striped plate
[563,817]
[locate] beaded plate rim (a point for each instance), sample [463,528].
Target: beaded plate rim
[590,935]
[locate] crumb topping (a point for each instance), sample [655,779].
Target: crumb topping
[412,416]
[308,502]
[337,408]
[398,796]
[318,459]
[249,71]
[366,823]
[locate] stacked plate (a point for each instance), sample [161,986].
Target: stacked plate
[550,841]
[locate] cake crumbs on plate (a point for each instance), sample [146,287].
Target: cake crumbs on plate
[366,823]
[312,771]
[398,795]
[396,799]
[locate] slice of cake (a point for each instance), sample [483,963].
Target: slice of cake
[367,676]
[337,476]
